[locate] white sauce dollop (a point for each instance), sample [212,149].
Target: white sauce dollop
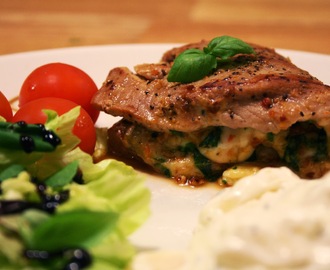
[271,220]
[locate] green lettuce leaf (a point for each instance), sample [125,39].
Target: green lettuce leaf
[116,186]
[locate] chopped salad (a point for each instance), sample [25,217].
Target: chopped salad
[59,209]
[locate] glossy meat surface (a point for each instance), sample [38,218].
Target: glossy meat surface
[265,92]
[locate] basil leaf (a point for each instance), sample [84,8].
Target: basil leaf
[64,176]
[191,65]
[78,228]
[226,47]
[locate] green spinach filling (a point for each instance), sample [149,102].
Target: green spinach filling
[305,141]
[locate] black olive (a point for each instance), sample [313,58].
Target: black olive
[79,260]
[27,143]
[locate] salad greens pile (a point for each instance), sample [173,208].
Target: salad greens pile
[59,210]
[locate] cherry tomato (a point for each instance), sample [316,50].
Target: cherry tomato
[84,127]
[61,81]
[5,108]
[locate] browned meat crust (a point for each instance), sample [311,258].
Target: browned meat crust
[266,92]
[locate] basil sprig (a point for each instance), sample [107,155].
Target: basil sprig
[194,64]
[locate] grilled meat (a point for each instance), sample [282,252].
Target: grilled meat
[266,92]
[248,107]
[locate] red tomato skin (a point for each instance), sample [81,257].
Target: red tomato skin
[5,108]
[62,81]
[84,128]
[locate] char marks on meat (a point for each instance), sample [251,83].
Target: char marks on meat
[265,92]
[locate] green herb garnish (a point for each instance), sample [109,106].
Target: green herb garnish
[201,162]
[212,139]
[194,64]
[270,136]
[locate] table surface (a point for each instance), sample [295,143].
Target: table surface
[37,24]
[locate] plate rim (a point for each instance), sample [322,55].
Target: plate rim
[132,45]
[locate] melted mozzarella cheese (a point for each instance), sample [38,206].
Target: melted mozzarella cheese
[233,174]
[235,145]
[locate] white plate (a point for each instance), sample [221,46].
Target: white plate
[174,209]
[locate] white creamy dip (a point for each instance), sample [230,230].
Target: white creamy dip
[271,220]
